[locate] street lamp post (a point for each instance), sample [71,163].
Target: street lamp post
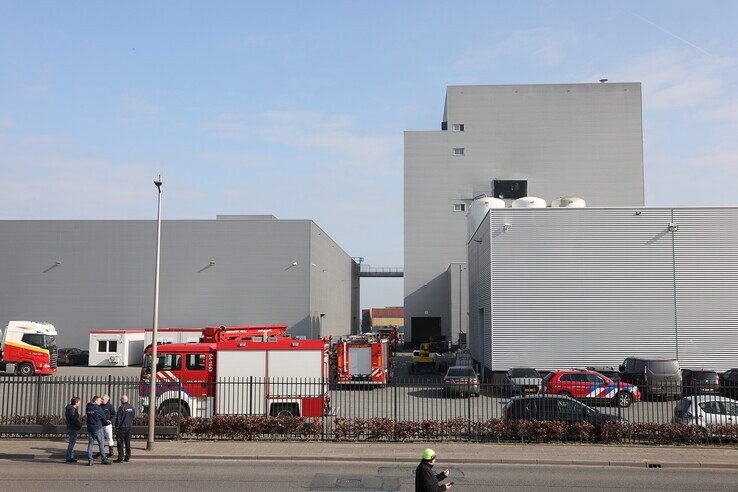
[155,328]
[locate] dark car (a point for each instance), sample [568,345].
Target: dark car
[73,357]
[554,407]
[700,382]
[729,383]
[655,377]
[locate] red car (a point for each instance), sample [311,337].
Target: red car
[590,385]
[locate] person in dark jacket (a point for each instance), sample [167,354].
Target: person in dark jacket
[425,479]
[123,423]
[109,410]
[74,425]
[95,422]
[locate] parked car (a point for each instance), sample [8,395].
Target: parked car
[655,377]
[590,385]
[609,372]
[554,407]
[729,383]
[461,380]
[73,357]
[706,410]
[522,381]
[701,382]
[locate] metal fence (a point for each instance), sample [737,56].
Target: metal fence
[406,409]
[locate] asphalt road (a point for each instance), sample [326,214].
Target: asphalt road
[181,475]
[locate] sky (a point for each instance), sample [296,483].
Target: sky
[298,109]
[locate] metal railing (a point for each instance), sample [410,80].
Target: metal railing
[408,408]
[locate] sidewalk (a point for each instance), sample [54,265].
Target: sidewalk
[449,453]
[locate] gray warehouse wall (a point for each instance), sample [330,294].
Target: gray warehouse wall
[332,283]
[480,295]
[578,287]
[580,139]
[105,279]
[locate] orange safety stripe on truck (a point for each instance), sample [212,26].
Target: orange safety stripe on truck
[27,347]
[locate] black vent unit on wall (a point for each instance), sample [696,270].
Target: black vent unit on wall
[510,188]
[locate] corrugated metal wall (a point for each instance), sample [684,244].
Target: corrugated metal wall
[706,268]
[578,287]
[480,305]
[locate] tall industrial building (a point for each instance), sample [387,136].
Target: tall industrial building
[507,141]
[84,275]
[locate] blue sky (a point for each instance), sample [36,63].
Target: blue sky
[298,109]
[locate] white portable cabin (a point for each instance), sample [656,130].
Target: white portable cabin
[116,348]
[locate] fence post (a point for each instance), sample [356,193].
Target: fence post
[468,408]
[38,397]
[110,379]
[179,400]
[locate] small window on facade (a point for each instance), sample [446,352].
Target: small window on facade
[107,346]
[459,207]
[457,127]
[444,126]
[458,150]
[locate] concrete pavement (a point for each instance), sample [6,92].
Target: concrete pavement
[451,452]
[171,474]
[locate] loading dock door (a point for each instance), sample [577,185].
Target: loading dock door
[425,327]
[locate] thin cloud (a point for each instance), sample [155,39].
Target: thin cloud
[545,46]
[6,123]
[137,105]
[676,79]
[724,113]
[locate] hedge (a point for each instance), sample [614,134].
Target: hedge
[384,429]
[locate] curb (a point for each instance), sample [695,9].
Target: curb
[450,461]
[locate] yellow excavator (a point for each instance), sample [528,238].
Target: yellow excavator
[424,362]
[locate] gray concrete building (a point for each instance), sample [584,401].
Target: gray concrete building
[575,287]
[510,141]
[84,275]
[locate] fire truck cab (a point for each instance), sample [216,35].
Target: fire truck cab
[273,376]
[28,348]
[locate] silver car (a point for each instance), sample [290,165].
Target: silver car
[706,410]
[522,381]
[461,380]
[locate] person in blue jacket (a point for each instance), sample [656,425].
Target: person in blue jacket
[74,425]
[96,420]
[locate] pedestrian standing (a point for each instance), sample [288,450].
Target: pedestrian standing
[95,422]
[74,425]
[109,410]
[425,479]
[123,423]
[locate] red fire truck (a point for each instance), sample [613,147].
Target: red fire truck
[240,375]
[363,360]
[390,334]
[226,333]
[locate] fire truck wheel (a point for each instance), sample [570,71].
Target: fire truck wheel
[174,409]
[25,369]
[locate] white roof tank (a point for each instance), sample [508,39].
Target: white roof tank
[529,202]
[568,202]
[478,210]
